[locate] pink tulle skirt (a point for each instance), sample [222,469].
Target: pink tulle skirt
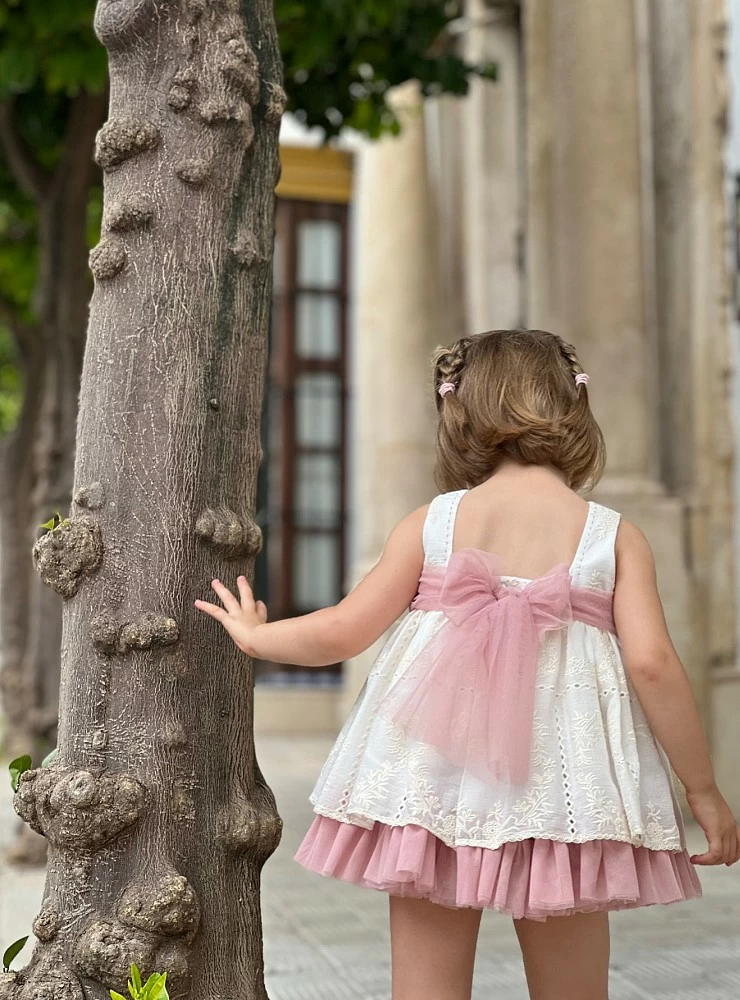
[535,879]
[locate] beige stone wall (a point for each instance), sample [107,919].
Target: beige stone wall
[396,328]
[626,114]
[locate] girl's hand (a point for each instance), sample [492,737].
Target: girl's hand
[241,618]
[713,815]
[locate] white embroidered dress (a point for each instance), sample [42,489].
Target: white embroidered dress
[597,773]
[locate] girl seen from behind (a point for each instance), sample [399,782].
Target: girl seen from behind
[511,748]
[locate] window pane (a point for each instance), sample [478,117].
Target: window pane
[317,326]
[319,253]
[316,582]
[318,410]
[317,490]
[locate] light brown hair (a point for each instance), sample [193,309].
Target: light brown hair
[515,397]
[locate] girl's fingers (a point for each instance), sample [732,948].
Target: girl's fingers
[245,593]
[211,609]
[262,611]
[733,848]
[713,856]
[726,848]
[230,602]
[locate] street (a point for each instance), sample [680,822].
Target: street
[325,940]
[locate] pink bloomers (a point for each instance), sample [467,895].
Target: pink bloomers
[535,879]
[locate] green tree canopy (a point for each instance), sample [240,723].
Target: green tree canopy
[340,56]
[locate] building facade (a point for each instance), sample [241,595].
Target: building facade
[584,192]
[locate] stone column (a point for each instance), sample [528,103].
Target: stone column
[493,179]
[590,243]
[591,258]
[714,514]
[396,331]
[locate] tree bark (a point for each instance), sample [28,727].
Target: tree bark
[37,459]
[157,814]
[16,537]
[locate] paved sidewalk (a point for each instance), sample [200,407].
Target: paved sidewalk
[325,940]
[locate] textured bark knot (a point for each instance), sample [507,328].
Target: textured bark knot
[239,67]
[228,73]
[145,632]
[247,252]
[167,905]
[124,137]
[277,100]
[226,531]
[67,553]
[217,109]
[77,808]
[108,258]
[181,89]
[194,171]
[116,23]
[106,949]
[252,827]
[92,496]
[134,213]
[47,923]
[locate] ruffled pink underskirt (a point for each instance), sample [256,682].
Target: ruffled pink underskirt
[535,879]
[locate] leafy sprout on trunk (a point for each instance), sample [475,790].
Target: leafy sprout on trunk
[153,989]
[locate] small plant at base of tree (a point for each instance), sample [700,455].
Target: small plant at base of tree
[153,989]
[11,951]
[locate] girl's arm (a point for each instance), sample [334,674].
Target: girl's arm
[337,633]
[665,692]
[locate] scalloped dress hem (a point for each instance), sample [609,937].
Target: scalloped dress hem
[532,879]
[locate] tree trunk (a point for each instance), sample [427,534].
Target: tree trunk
[156,812]
[37,459]
[17,582]
[16,538]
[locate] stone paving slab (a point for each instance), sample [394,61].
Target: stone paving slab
[326,940]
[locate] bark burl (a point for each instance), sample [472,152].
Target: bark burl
[156,812]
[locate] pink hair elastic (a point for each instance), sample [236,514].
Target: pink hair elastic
[582,379]
[445,388]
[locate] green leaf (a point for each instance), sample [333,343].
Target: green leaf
[149,985]
[116,996]
[136,977]
[53,522]
[13,950]
[158,991]
[18,767]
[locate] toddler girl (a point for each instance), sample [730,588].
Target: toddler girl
[511,747]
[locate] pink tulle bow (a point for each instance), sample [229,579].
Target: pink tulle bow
[470,692]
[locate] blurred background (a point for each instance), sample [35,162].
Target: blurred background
[592,189]
[447,168]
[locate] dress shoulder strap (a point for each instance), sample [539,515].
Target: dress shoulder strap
[439,527]
[595,565]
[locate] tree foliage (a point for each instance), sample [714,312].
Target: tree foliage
[340,56]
